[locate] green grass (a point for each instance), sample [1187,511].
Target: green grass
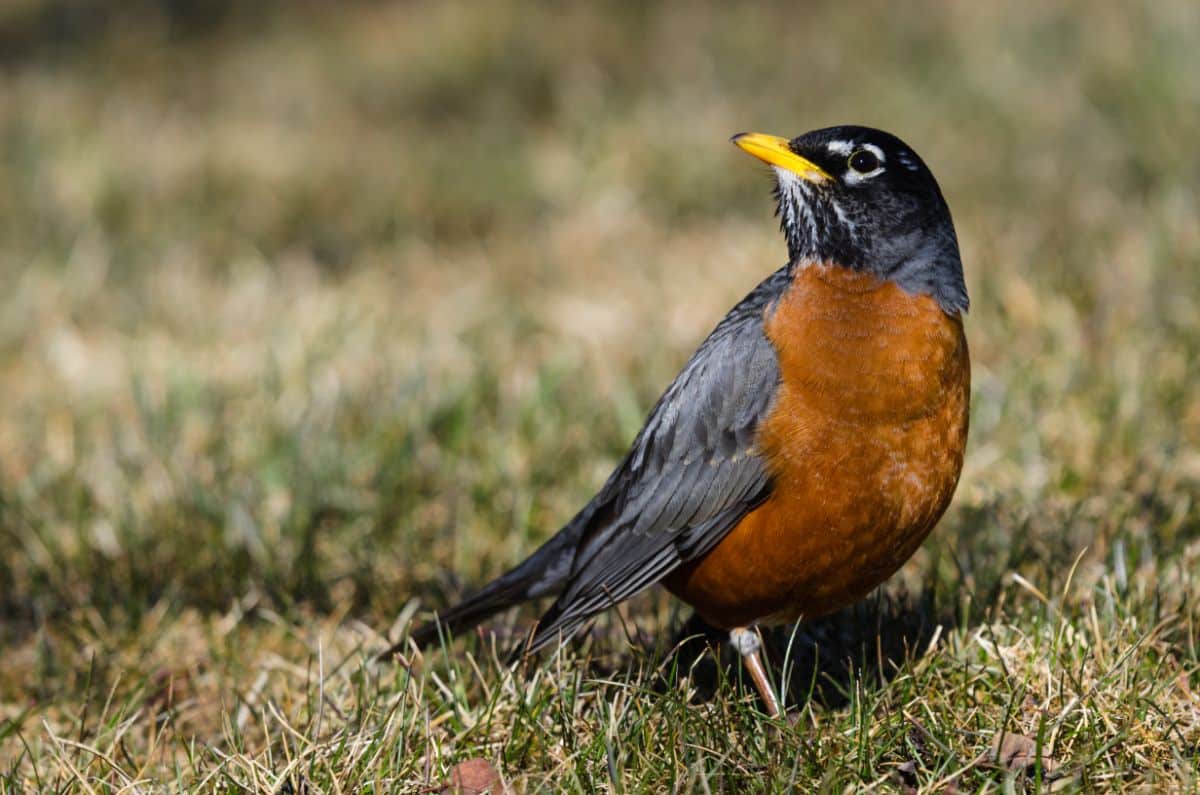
[313,318]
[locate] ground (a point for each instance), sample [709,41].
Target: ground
[315,316]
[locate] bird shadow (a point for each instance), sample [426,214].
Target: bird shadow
[821,660]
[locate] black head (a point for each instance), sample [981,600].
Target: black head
[860,198]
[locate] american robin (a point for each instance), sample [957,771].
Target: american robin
[811,442]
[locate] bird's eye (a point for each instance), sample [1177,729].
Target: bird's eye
[864,161]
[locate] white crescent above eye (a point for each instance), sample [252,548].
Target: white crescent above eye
[843,148]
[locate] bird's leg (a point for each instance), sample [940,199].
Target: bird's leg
[747,644]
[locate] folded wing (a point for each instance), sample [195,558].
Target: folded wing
[690,476]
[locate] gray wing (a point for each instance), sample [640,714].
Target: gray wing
[691,475]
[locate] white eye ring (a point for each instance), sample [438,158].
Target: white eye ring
[854,175]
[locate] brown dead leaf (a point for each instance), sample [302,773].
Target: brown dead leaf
[474,777]
[905,776]
[1018,752]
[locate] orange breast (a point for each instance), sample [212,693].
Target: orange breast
[864,441]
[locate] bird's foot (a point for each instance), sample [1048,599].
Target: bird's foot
[748,645]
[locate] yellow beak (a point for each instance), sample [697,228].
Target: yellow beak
[775,151]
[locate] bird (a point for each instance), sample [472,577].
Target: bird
[813,440]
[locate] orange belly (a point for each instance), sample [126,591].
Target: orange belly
[864,442]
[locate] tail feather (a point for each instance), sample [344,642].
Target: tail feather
[542,574]
[502,593]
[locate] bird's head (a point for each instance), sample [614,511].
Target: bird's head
[861,198]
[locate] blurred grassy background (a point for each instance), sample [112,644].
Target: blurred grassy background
[311,308]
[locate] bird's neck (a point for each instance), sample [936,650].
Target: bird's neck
[817,231]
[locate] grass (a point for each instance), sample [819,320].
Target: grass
[315,319]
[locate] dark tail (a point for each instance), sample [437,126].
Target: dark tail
[542,574]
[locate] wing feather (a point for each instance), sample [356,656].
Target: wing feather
[690,476]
